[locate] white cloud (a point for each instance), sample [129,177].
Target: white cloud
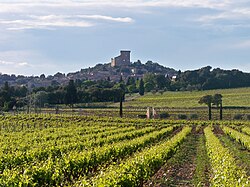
[23,64]
[37,24]
[243,44]
[165,15]
[31,63]
[68,13]
[54,21]
[13,64]
[95,17]
[107,18]
[232,14]
[21,5]
[2,62]
[16,58]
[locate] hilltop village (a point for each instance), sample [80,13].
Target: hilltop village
[120,66]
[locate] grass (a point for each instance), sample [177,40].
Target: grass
[202,164]
[239,97]
[235,101]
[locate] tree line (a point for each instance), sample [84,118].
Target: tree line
[205,78]
[87,91]
[79,91]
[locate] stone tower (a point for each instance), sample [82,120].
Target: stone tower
[122,60]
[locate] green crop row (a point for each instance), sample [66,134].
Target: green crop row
[32,122]
[239,137]
[74,164]
[42,153]
[12,144]
[141,166]
[45,138]
[246,130]
[224,169]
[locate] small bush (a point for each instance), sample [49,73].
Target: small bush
[161,92]
[194,116]
[153,92]
[182,116]
[248,116]
[164,115]
[238,116]
[142,116]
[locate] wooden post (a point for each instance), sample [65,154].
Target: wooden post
[221,111]
[57,110]
[209,112]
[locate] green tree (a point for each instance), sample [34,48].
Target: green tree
[130,81]
[217,100]
[141,87]
[71,94]
[7,97]
[40,98]
[161,81]
[149,78]
[122,87]
[131,88]
[121,79]
[148,86]
[21,91]
[207,99]
[6,92]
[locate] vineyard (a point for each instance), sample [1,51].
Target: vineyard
[74,150]
[189,99]
[236,104]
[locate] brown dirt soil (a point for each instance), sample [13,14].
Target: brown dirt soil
[179,170]
[217,130]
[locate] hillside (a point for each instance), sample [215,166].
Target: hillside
[98,72]
[136,70]
[185,99]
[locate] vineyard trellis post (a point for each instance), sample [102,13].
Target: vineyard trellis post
[221,111]
[148,113]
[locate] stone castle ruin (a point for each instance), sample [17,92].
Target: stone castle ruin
[122,60]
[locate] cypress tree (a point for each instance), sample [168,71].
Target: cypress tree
[141,87]
[71,94]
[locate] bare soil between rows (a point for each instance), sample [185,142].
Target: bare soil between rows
[179,170]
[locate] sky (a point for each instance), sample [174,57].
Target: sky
[50,36]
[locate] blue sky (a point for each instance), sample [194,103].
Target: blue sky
[52,36]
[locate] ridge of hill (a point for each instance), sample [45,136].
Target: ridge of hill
[98,72]
[155,76]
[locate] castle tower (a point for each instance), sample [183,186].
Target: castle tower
[125,57]
[122,60]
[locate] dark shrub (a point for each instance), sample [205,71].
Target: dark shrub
[161,92]
[164,115]
[238,116]
[182,116]
[153,92]
[142,116]
[248,116]
[194,116]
